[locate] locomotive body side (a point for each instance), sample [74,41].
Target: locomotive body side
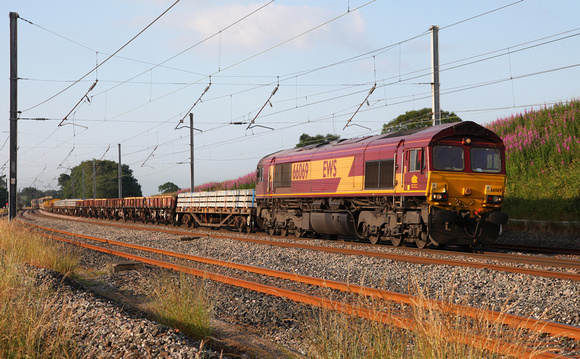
[391,186]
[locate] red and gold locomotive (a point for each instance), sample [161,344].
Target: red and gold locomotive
[436,185]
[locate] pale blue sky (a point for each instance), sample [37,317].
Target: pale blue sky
[325,56]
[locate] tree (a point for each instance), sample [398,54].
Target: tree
[81,177]
[168,187]
[306,139]
[27,194]
[417,119]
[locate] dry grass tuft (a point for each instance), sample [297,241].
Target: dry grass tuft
[436,332]
[30,327]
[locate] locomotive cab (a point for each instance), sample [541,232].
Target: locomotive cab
[466,186]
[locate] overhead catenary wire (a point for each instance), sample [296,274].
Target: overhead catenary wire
[107,59]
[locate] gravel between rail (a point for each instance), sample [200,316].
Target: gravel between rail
[281,320]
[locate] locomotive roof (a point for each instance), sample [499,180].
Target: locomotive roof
[428,134]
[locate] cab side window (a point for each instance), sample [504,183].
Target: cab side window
[416,159]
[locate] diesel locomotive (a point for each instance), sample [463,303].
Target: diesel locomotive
[438,185]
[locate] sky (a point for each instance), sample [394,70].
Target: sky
[497,58]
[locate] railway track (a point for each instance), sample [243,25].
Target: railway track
[570,267]
[401,321]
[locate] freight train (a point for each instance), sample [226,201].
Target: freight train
[429,186]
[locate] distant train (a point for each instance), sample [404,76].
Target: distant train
[438,185]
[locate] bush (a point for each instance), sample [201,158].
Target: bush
[543,162]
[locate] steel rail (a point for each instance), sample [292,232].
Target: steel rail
[511,320]
[541,249]
[477,341]
[391,256]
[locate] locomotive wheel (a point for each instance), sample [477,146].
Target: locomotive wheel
[397,241]
[422,241]
[271,231]
[375,239]
[298,232]
[250,227]
[284,231]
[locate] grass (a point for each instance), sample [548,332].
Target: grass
[436,333]
[31,328]
[182,302]
[543,162]
[29,325]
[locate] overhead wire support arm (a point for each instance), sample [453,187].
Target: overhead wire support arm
[362,103]
[78,103]
[267,102]
[191,108]
[148,157]
[67,156]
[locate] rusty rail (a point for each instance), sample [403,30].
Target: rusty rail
[493,316]
[391,256]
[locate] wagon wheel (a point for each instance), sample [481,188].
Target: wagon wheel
[298,232]
[250,227]
[240,224]
[397,241]
[375,239]
[271,231]
[422,240]
[187,220]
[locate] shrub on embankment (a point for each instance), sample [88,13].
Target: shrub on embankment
[247,181]
[543,162]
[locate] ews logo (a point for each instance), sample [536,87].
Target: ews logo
[329,168]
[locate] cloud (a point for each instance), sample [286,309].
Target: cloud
[267,27]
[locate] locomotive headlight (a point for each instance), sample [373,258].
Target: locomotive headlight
[440,197]
[494,199]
